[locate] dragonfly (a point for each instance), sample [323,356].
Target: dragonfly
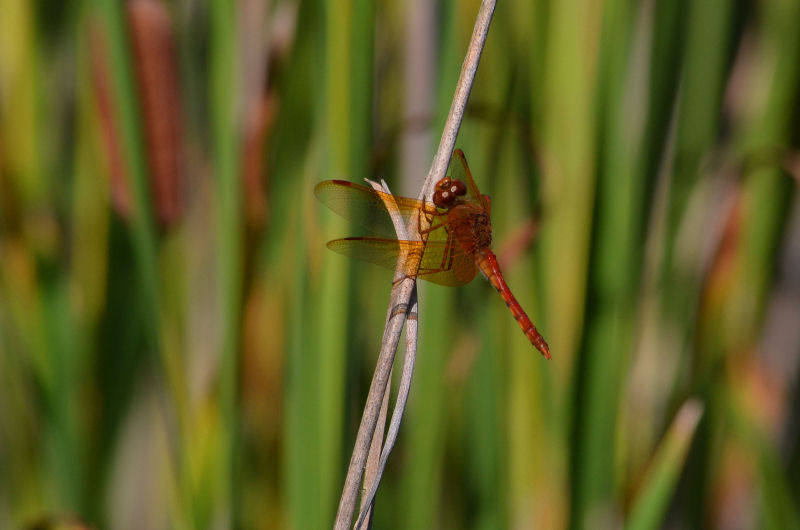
[455,245]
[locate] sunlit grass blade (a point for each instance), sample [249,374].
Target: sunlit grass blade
[125,101]
[613,275]
[658,485]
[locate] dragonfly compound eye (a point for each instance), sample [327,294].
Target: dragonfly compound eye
[458,188]
[443,198]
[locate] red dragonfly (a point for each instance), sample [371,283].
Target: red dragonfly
[455,246]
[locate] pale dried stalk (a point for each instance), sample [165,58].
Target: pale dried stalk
[397,414]
[373,459]
[404,286]
[375,464]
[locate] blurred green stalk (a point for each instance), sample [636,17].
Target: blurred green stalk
[226,144]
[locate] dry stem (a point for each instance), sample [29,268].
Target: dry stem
[404,286]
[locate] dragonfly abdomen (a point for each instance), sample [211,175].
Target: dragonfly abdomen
[487,262]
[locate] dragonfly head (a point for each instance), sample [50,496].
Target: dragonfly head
[447,192]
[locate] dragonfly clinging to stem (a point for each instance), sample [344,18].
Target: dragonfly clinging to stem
[453,249]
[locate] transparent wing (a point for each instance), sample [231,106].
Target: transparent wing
[366,207]
[459,170]
[442,262]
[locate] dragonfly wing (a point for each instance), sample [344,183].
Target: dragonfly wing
[380,251]
[367,207]
[460,170]
[461,271]
[442,263]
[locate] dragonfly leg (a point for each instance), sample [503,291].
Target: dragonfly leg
[431,228]
[450,246]
[447,257]
[421,272]
[414,254]
[429,216]
[403,277]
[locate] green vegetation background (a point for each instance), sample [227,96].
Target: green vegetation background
[179,350]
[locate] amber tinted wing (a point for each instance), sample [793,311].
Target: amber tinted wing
[458,169]
[367,207]
[442,263]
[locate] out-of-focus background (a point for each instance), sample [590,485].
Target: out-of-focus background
[178,349]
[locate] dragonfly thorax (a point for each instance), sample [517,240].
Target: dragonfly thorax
[471,227]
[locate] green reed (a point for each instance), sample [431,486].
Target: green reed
[639,158]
